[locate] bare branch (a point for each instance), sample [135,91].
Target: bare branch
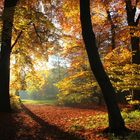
[137,20]
[37,33]
[16,39]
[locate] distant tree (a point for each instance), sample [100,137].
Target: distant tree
[116,122]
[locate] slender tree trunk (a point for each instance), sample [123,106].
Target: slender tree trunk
[8,15]
[135,40]
[113,33]
[133,23]
[116,122]
[135,48]
[112,30]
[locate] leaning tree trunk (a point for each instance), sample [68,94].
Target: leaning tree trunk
[116,122]
[7,17]
[135,40]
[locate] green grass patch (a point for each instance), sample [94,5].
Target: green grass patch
[101,120]
[88,123]
[43,102]
[131,116]
[131,136]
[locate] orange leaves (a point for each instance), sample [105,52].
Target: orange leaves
[70,20]
[99,13]
[118,56]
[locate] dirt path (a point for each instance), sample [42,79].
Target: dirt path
[42,122]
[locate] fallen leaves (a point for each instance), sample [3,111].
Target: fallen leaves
[43,122]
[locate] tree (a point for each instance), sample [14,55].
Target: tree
[133,17]
[8,16]
[116,122]
[133,20]
[28,25]
[111,24]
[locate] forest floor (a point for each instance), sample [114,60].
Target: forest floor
[47,122]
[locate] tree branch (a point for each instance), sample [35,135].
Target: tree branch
[16,39]
[137,20]
[37,33]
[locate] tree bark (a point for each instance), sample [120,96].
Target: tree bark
[135,41]
[112,30]
[7,17]
[116,122]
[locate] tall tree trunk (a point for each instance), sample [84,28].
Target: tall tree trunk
[116,122]
[135,40]
[133,23]
[8,15]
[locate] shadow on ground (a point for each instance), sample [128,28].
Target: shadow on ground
[27,126]
[49,131]
[7,126]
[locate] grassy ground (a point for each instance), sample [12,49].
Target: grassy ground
[42,102]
